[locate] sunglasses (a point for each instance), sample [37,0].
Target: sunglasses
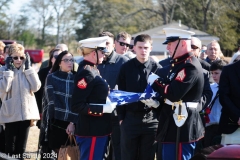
[68,60]
[130,46]
[194,47]
[123,44]
[16,58]
[203,51]
[55,56]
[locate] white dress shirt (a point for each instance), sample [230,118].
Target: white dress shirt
[215,114]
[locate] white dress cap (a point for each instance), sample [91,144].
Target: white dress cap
[94,42]
[174,34]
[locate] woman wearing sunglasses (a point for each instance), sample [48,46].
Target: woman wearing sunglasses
[90,102]
[58,120]
[18,81]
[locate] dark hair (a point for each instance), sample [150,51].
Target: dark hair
[105,33]
[5,48]
[218,64]
[56,66]
[143,38]
[50,54]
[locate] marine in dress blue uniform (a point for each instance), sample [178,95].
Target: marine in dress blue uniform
[181,91]
[90,101]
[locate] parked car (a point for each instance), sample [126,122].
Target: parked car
[36,55]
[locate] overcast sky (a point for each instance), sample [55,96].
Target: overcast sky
[16,6]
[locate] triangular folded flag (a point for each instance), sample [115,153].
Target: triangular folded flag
[123,97]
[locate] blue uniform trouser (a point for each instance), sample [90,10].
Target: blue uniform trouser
[92,148]
[186,151]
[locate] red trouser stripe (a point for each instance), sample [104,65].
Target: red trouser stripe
[92,148]
[180,151]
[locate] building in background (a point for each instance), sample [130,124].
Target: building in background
[159,37]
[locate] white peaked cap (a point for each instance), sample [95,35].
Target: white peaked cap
[94,42]
[173,34]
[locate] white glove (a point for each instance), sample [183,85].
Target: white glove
[151,103]
[109,106]
[151,78]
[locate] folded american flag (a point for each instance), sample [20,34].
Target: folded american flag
[123,97]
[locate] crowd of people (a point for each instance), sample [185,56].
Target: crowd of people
[197,104]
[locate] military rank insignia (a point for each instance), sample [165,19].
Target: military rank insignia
[181,75]
[82,84]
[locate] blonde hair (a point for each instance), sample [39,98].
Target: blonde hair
[15,48]
[2,45]
[83,51]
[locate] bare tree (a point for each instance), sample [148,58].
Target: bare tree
[164,8]
[4,4]
[205,8]
[42,11]
[64,14]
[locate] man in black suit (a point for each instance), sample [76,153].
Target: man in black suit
[229,96]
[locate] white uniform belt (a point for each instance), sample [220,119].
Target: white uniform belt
[189,104]
[96,104]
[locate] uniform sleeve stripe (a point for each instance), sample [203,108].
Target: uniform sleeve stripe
[165,90]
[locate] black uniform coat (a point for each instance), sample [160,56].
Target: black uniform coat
[90,88]
[184,82]
[229,97]
[133,78]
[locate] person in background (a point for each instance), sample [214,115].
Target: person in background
[2,133]
[154,58]
[213,51]
[90,101]
[42,73]
[203,54]
[196,49]
[2,53]
[166,61]
[109,70]
[61,47]
[138,120]
[131,45]
[235,57]
[229,97]
[207,92]
[58,120]
[122,43]
[211,130]
[18,81]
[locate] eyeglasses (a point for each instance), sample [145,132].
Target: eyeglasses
[68,60]
[123,44]
[203,51]
[55,56]
[130,46]
[16,58]
[194,47]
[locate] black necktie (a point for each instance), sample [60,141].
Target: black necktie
[214,99]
